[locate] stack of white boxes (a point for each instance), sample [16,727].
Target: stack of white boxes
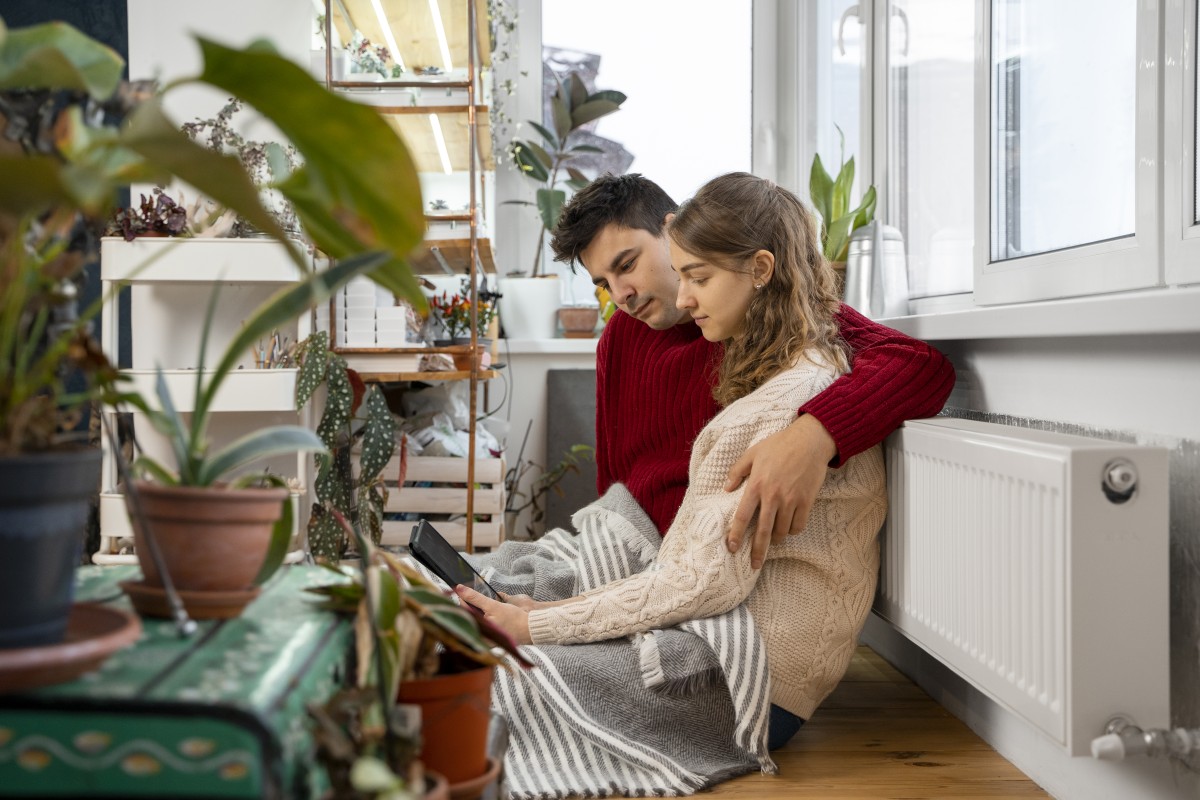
[367,317]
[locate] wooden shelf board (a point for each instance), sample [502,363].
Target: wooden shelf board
[400,377]
[414,128]
[457,253]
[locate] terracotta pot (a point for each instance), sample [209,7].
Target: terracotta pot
[436,787]
[476,788]
[579,322]
[44,500]
[462,361]
[211,539]
[455,712]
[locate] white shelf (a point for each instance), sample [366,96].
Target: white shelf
[242,390]
[182,260]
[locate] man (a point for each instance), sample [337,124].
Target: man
[655,373]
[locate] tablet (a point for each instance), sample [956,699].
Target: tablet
[439,557]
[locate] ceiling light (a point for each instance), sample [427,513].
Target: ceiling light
[387,33]
[441,34]
[441,143]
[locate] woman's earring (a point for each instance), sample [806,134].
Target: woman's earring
[757,286]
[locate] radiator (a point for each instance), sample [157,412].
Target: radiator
[1007,558]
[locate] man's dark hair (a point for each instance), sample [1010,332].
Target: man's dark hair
[631,201]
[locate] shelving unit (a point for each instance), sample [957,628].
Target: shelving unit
[170,280]
[440,118]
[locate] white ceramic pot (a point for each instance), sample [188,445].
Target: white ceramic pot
[529,307]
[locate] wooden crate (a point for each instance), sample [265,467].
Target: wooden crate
[448,495]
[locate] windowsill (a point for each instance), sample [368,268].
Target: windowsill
[548,346]
[1151,311]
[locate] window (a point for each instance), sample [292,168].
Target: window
[930,133]
[1181,142]
[685,66]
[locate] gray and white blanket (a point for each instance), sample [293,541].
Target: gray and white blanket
[667,712]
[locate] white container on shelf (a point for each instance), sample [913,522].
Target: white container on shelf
[360,326]
[151,259]
[360,301]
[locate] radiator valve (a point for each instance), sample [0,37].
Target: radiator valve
[1123,738]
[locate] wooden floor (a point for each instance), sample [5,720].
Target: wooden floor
[879,736]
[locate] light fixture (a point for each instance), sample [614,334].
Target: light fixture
[441,143]
[387,33]
[441,34]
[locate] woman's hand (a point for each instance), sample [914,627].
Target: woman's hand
[508,617]
[522,601]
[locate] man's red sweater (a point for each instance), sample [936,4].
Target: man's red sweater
[654,394]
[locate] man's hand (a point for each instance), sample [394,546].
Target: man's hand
[510,618]
[783,474]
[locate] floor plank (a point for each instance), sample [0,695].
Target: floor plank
[879,736]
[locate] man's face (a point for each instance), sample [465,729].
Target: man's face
[635,266]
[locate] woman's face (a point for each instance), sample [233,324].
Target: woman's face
[716,298]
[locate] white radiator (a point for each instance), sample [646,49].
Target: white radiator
[1004,558]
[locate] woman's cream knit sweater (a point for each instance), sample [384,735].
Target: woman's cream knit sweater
[811,597]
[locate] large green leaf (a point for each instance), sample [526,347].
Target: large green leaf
[562,116]
[837,240]
[592,110]
[172,426]
[223,178]
[550,138]
[57,56]
[284,306]
[550,203]
[352,157]
[274,441]
[608,94]
[578,91]
[281,539]
[313,367]
[529,162]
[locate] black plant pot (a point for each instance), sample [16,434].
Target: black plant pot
[44,500]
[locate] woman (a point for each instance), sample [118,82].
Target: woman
[752,276]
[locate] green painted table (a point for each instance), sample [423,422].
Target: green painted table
[218,714]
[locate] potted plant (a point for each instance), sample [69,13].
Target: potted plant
[831,198]
[60,167]
[418,645]
[354,415]
[548,163]
[453,313]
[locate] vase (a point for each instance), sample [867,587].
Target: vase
[44,500]
[464,360]
[528,307]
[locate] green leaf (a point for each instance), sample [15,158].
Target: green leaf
[820,189]
[543,158]
[326,539]
[313,368]
[578,176]
[609,95]
[278,440]
[369,774]
[281,539]
[840,203]
[284,306]
[585,148]
[379,437]
[549,137]
[529,162]
[592,110]
[346,147]
[550,203]
[152,135]
[562,117]
[838,239]
[148,466]
[174,429]
[57,56]
[578,92]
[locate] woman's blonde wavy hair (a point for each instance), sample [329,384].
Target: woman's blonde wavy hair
[730,219]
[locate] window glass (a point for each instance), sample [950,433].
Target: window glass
[1196,131]
[1062,124]
[931,75]
[686,68]
[840,60]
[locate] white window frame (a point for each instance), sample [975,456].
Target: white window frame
[1116,265]
[1181,233]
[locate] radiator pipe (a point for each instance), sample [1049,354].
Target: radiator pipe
[1122,737]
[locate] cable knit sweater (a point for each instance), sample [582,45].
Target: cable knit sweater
[817,585]
[653,395]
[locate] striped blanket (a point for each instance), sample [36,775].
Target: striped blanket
[669,713]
